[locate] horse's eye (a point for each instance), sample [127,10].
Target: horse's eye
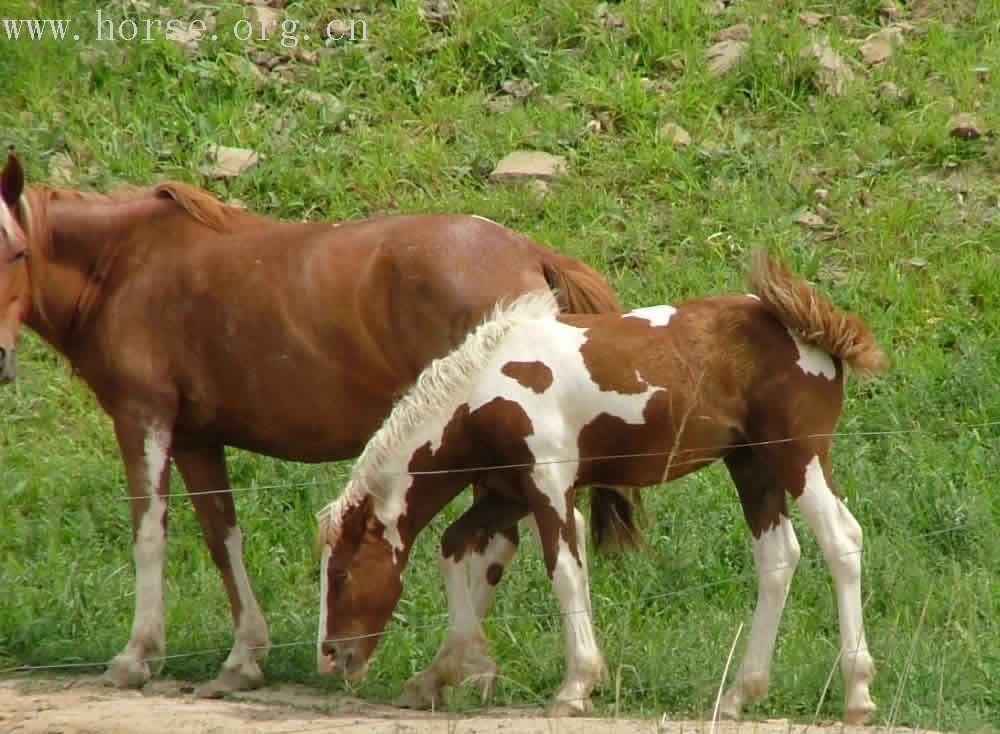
[17,256]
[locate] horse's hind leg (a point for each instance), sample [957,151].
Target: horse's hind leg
[146,453]
[475,550]
[204,473]
[839,536]
[776,553]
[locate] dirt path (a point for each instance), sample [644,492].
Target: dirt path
[83,706]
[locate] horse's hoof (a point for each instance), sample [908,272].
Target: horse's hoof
[229,681]
[126,672]
[578,707]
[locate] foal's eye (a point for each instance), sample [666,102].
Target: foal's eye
[18,256]
[339,581]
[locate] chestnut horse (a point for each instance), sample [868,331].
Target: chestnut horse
[13,265]
[200,325]
[535,404]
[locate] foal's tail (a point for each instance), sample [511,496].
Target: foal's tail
[802,309]
[614,513]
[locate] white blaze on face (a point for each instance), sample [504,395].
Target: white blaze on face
[322,661]
[655,315]
[813,360]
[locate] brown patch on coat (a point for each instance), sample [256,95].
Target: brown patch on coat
[533,375]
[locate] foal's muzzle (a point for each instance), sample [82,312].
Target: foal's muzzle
[341,658]
[8,363]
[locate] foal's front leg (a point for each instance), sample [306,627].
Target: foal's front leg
[565,559]
[204,473]
[145,448]
[486,538]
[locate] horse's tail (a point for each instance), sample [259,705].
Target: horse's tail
[614,513]
[802,309]
[578,287]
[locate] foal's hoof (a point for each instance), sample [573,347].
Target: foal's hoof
[230,680]
[126,672]
[421,692]
[859,715]
[577,707]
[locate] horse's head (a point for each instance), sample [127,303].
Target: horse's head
[14,294]
[359,587]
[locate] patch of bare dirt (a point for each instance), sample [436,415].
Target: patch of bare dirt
[84,706]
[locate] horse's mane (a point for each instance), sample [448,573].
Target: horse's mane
[199,204]
[441,387]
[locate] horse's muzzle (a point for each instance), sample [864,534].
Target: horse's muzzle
[342,659]
[8,364]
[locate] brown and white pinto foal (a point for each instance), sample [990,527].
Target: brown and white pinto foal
[199,326]
[14,299]
[542,397]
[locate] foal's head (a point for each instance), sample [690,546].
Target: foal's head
[14,295]
[359,587]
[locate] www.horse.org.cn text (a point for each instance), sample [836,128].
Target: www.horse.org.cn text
[288,32]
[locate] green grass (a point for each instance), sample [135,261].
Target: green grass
[912,245]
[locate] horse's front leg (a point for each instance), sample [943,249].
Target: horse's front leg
[145,449]
[559,525]
[204,473]
[475,550]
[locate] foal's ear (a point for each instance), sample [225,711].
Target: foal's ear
[12,180]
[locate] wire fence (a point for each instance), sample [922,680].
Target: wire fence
[619,691]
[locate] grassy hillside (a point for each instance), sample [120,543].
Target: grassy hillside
[853,176]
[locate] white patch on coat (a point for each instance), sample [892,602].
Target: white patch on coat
[840,538]
[150,547]
[557,415]
[813,360]
[421,415]
[251,630]
[655,315]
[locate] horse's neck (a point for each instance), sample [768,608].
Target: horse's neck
[72,258]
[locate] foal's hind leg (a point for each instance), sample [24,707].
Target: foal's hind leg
[839,535]
[204,473]
[146,453]
[486,537]
[776,553]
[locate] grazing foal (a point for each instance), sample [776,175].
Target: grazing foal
[200,326]
[13,264]
[755,381]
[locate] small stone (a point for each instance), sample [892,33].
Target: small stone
[822,194]
[674,134]
[878,47]
[888,90]
[810,220]
[738,32]
[890,12]
[811,19]
[519,88]
[265,17]
[824,211]
[228,162]
[724,55]
[655,85]
[964,126]
[982,73]
[529,164]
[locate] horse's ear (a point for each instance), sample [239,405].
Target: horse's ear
[12,180]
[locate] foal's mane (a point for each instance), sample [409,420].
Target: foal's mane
[199,204]
[441,387]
